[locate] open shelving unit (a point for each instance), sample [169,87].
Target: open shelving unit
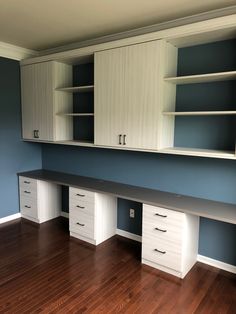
[202,120]
[81,113]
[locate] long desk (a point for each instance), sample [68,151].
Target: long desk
[191,205]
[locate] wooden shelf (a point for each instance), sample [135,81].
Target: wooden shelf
[77,143]
[76,114]
[77,89]
[198,113]
[199,152]
[202,78]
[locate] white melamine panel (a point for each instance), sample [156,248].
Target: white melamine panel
[77,206]
[109,96]
[82,224]
[81,195]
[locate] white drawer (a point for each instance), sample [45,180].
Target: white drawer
[28,193]
[162,216]
[82,224]
[162,231]
[163,254]
[28,207]
[28,184]
[80,194]
[78,206]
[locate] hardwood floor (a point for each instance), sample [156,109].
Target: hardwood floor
[43,270]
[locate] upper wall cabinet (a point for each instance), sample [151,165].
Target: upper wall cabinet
[42,104]
[130,94]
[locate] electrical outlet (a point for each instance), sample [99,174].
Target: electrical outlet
[131,213]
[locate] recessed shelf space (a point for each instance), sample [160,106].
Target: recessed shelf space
[203,118]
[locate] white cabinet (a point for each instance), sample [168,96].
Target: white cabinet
[39,200]
[92,216]
[169,240]
[129,97]
[42,105]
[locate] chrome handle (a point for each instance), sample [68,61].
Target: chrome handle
[159,215]
[120,136]
[81,195]
[82,225]
[162,230]
[162,252]
[36,133]
[80,206]
[124,137]
[27,192]
[27,182]
[26,206]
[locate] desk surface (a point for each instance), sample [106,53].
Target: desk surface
[192,205]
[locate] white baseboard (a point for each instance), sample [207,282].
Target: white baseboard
[217,264]
[65,215]
[129,235]
[10,218]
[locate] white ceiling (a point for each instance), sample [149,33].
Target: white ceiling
[43,24]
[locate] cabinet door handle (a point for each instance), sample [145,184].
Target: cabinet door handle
[80,206]
[27,182]
[120,136]
[162,230]
[81,195]
[26,206]
[36,133]
[27,192]
[159,215]
[82,225]
[124,138]
[162,252]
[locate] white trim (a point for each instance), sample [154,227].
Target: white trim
[64,214]
[129,235]
[217,264]
[10,218]
[144,30]
[15,52]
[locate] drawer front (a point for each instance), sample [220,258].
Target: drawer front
[163,216]
[28,184]
[28,206]
[162,253]
[82,224]
[158,231]
[83,195]
[28,193]
[78,206]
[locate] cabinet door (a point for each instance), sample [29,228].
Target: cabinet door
[37,100]
[126,95]
[109,96]
[142,95]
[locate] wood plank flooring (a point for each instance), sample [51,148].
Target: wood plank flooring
[43,270]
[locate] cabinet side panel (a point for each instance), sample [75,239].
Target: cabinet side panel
[63,102]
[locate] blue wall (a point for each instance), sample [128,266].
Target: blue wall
[201,177]
[15,155]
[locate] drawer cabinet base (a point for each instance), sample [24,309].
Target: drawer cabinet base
[80,237]
[163,268]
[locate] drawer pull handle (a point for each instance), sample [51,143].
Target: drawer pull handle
[27,182]
[27,192]
[82,225]
[80,206]
[120,135]
[26,206]
[82,195]
[162,252]
[162,230]
[159,215]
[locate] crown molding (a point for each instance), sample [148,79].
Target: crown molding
[15,52]
[144,30]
